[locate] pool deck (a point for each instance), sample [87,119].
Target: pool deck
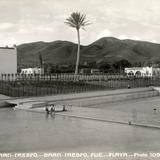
[131,107]
[110,94]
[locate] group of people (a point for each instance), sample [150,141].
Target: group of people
[52,109]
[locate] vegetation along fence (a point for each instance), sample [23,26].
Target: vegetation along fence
[18,85]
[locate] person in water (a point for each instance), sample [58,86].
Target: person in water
[64,108]
[47,110]
[52,109]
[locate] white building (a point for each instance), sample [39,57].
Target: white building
[8,60]
[32,71]
[143,71]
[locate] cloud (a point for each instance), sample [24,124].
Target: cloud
[129,37]
[123,37]
[29,20]
[153,41]
[6,26]
[105,33]
[136,38]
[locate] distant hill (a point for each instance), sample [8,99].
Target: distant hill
[107,49]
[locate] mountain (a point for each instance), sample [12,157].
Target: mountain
[107,49]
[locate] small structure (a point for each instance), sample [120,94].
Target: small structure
[8,60]
[95,71]
[85,71]
[142,71]
[32,71]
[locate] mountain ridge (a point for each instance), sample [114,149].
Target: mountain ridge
[106,49]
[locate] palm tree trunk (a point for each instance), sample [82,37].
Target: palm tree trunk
[78,53]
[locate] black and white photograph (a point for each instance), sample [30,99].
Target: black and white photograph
[79,79]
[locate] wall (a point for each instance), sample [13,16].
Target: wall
[32,71]
[145,71]
[8,60]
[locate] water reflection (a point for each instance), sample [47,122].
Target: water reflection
[46,116]
[52,115]
[29,131]
[49,115]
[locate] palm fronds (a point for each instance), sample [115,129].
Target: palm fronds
[77,20]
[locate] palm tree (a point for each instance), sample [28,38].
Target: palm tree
[41,62]
[77,21]
[40,59]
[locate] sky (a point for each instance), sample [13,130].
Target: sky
[25,21]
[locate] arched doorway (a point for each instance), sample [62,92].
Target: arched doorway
[138,73]
[130,73]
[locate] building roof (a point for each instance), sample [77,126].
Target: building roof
[7,48]
[135,68]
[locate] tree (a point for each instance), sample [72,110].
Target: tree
[40,59]
[41,62]
[121,64]
[105,67]
[77,21]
